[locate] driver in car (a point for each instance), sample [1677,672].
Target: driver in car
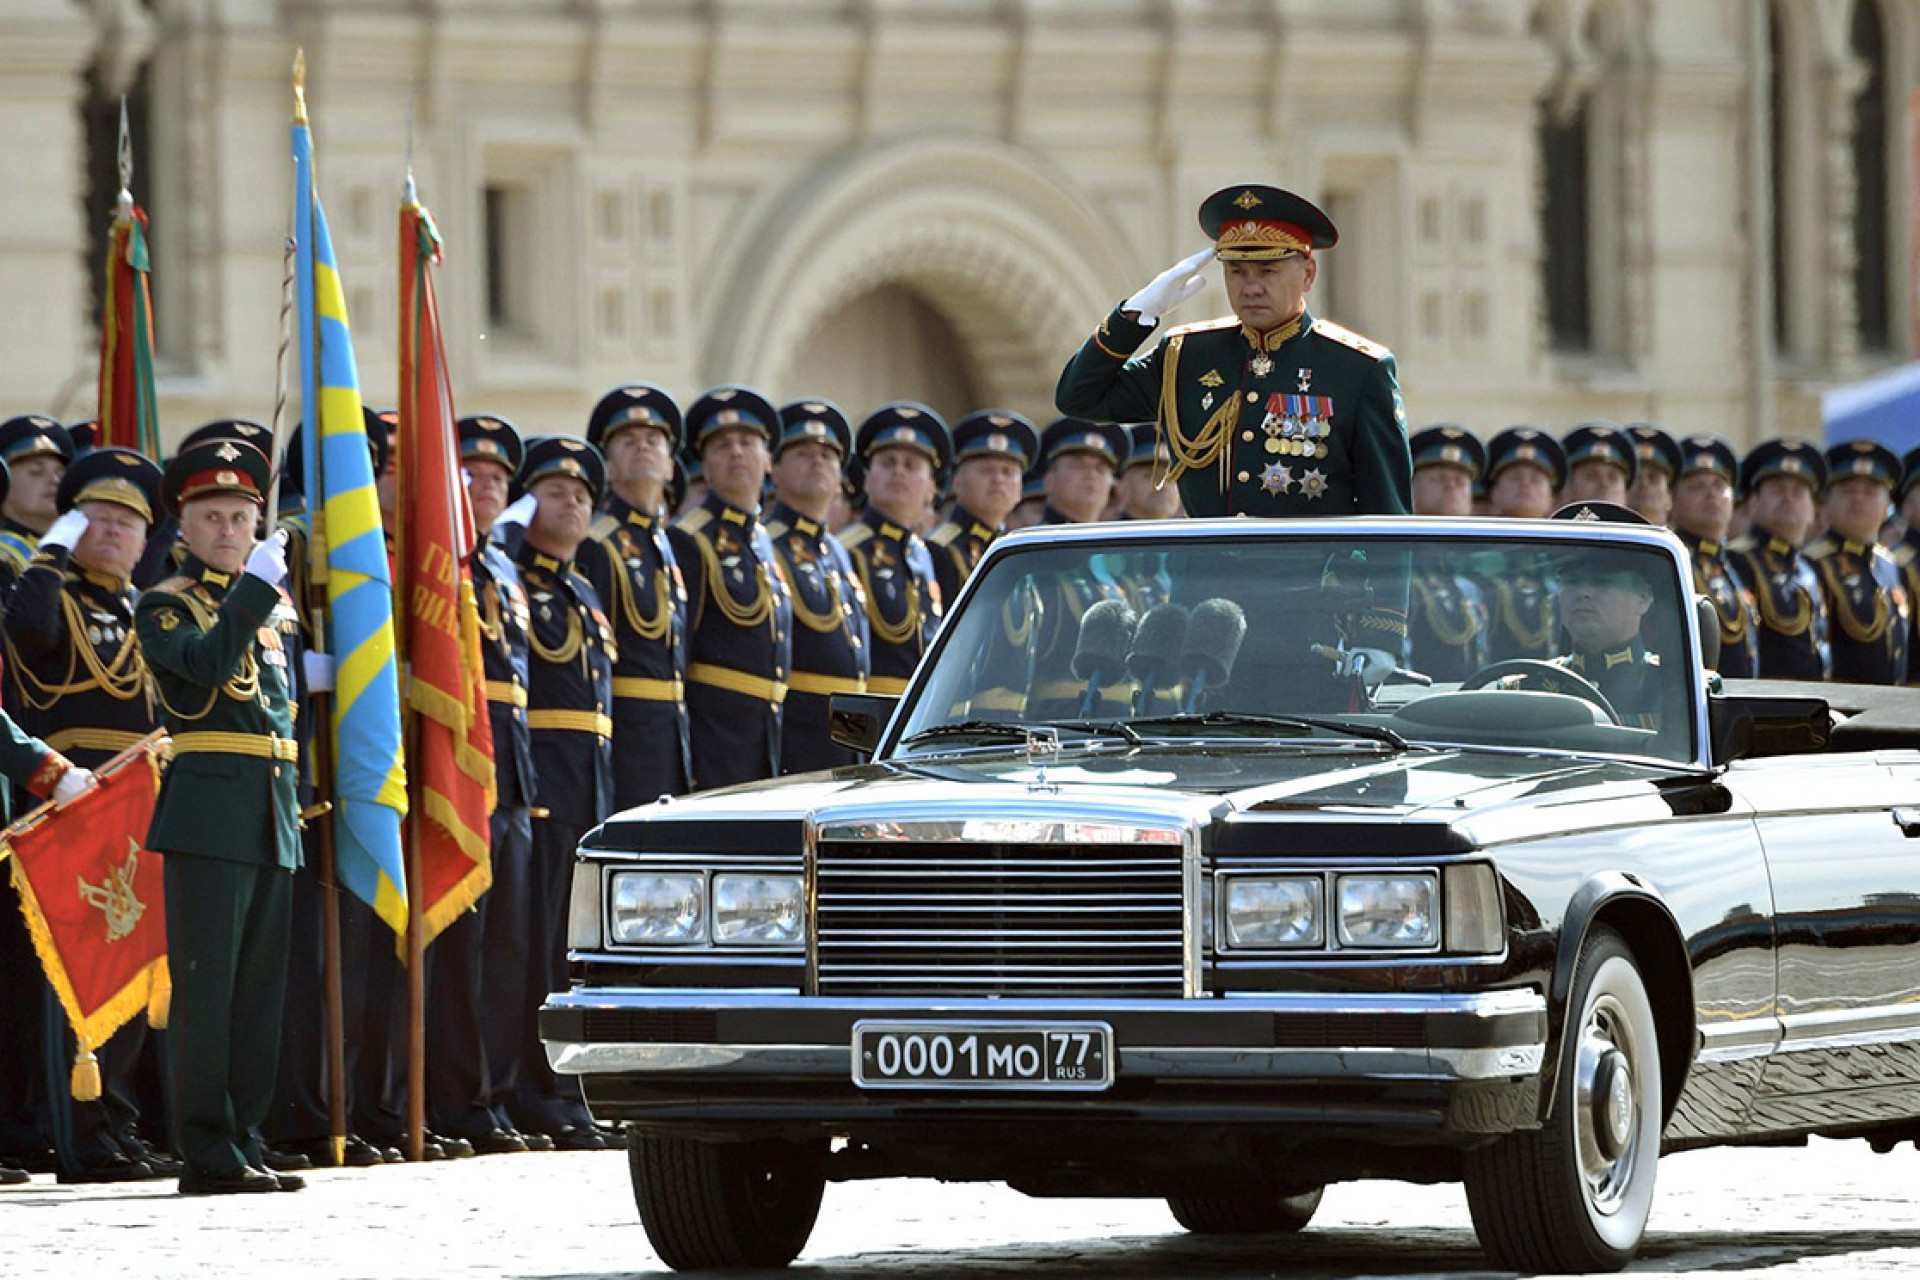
[1603,598]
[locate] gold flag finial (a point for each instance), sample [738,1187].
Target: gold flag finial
[299,86]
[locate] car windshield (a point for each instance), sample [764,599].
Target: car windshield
[1528,643]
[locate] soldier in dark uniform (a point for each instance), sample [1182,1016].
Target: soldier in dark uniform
[227,815]
[1269,411]
[1702,510]
[1602,464]
[75,679]
[1867,604]
[1144,491]
[1604,598]
[1525,466]
[903,449]
[1781,479]
[739,617]
[1651,493]
[1078,460]
[569,699]
[37,451]
[1906,552]
[992,451]
[830,637]
[1446,614]
[630,563]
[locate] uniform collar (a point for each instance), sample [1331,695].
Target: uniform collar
[531,557]
[14,526]
[1779,546]
[883,526]
[1605,662]
[1273,339]
[200,571]
[625,512]
[1705,546]
[106,581]
[1052,515]
[727,513]
[801,524]
[970,524]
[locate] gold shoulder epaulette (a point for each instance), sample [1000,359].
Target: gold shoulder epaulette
[175,586]
[944,535]
[777,529]
[1219,322]
[1820,548]
[1348,338]
[855,536]
[1903,554]
[694,521]
[604,525]
[1745,544]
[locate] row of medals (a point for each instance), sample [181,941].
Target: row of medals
[1297,437]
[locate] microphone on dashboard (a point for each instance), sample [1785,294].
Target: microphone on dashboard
[1214,634]
[1106,631]
[1155,655]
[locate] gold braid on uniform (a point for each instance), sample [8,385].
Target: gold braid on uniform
[646,628]
[1780,623]
[1201,450]
[568,649]
[1732,630]
[1534,638]
[739,615]
[123,679]
[242,686]
[490,623]
[890,632]
[1018,633]
[1437,621]
[1849,618]
[826,621]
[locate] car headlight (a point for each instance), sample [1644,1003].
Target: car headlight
[1387,910]
[649,908]
[1278,912]
[759,911]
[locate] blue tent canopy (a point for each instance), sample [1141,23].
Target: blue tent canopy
[1886,408]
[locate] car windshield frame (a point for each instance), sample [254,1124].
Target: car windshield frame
[1024,551]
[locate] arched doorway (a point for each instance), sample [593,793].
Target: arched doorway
[889,343]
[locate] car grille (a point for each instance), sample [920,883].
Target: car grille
[993,919]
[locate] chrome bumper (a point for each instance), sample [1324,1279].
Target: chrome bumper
[1480,1036]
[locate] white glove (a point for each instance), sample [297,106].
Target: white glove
[268,559]
[71,784]
[66,531]
[318,669]
[1373,666]
[1170,288]
[520,513]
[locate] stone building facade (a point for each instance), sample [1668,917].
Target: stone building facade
[1691,211]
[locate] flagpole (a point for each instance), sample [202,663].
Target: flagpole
[320,707]
[409,721]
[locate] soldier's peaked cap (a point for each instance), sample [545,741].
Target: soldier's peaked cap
[1529,446]
[730,408]
[1868,459]
[214,468]
[1705,452]
[1656,448]
[1602,442]
[112,475]
[996,433]
[563,456]
[1077,435]
[818,421]
[1784,456]
[32,434]
[905,424]
[1448,444]
[486,437]
[634,404]
[1253,223]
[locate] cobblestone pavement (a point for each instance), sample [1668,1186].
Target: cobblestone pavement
[1832,1209]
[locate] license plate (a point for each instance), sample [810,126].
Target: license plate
[1061,1056]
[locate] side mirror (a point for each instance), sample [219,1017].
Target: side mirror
[1708,624]
[1745,728]
[855,719]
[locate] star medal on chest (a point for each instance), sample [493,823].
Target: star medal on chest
[1306,380]
[1276,479]
[1314,483]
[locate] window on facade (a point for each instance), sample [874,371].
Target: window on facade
[507,217]
[100,126]
[1777,148]
[1565,259]
[1870,274]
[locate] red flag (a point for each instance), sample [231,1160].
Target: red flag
[128,414]
[451,774]
[94,903]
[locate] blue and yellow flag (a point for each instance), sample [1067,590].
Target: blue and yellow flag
[348,550]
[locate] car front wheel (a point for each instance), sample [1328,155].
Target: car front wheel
[716,1205]
[1574,1195]
[1245,1215]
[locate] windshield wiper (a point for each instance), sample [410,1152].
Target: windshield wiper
[1346,728]
[1013,732]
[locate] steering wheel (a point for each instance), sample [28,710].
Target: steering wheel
[1572,681]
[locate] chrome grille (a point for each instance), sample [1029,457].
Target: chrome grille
[934,919]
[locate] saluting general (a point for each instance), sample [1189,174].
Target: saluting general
[227,817]
[1270,411]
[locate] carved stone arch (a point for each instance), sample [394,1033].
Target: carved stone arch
[989,236]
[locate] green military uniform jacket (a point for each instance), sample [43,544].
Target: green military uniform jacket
[1303,421]
[217,646]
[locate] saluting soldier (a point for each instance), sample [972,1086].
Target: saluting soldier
[1270,411]
[1702,513]
[830,644]
[1867,603]
[1446,614]
[903,449]
[76,680]
[1906,552]
[37,451]
[1525,466]
[1602,464]
[227,817]
[739,616]
[631,565]
[1651,493]
[992,450]
[1781,479]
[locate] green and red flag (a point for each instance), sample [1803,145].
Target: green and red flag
[94,902]
[451,769]
[128,413]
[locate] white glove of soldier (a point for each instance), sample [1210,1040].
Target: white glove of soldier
[520,512]
[66,531]
[268,559]
[318,669]
[1170,288]
[1373,666]
[71,784]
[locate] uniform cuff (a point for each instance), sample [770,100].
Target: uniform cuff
[1120,335]
[47,775]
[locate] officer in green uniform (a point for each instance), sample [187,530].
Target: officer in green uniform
[1702,512]
[1906,552]
[903,449]
[1651,493]
[1866,601]
[1781,480]
[992,450]
[1267,412]
[830,633]
[1602,464]
[37,451]
[227,817]
[1446,613]
[75,679]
